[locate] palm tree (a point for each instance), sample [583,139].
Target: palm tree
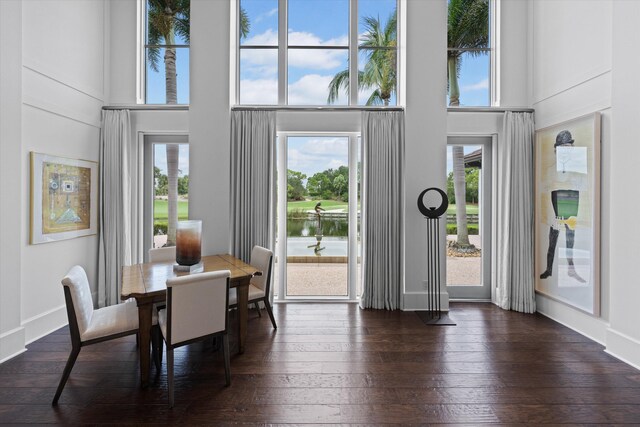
[467,28]
[168,18]
[380,69]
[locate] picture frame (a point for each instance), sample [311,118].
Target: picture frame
[64,198]
[567,212]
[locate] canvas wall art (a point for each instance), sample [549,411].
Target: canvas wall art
[567,220]
[64,198]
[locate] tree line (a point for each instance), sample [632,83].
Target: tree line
[330,184]
[472,180]
[161,183]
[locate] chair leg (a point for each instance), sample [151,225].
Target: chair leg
[170,375]
[257,305]
[156,347]
[270,312]
[65,374]
[227,361]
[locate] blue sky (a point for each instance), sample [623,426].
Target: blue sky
[316,23]
[310,155]
[160,158]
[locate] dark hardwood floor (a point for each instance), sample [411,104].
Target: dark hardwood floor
[337,364]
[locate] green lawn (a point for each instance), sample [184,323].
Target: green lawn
[161,210]
[471,209]
[310,204]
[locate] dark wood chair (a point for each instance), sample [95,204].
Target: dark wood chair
[90,326]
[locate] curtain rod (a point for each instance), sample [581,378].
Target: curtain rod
[142,107]
[489,109]
[295,108]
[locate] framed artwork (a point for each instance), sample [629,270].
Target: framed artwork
[64,198]
[567,217]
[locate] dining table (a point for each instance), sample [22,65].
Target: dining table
[146,282]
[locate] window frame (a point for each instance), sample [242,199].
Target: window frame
[283,52]
[141,53]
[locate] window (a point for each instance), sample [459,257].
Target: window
[166,52]
[317,52]
[166,188]
[469,53]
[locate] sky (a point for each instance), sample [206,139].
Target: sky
[160,158]
[310,155]
[318,23]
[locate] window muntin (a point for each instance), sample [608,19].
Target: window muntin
[313,53]
[469,53]
[166,52]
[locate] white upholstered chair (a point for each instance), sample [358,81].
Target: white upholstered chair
[168,253]
[89,326]
[197,308]
[260,287]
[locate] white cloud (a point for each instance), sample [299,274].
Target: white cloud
[298,58]
[317,154]
[263,91]
[265,15]
[481,85]
[311,89]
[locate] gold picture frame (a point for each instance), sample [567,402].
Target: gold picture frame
[64,198]
[567,212]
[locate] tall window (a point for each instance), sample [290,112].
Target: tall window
[337,52]
[166,51]
[468,53]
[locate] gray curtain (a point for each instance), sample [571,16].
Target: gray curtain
[120,204]
[514,249]
[253,136]
[382,207]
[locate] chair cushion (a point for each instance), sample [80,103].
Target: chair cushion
[78,284]
[112,320]
[254,294]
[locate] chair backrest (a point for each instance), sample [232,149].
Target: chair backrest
[197,305]
[168,253]
[79,295]
[261,258]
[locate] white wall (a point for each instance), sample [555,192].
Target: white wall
[63,89]
[623,335]
[577,70]
[12,190]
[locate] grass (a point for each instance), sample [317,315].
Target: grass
[306,205]
[471,209]
[161,210]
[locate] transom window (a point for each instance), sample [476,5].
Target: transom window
[469,53]
[317,52]
[166,52]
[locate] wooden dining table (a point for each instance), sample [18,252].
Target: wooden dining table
[147,284]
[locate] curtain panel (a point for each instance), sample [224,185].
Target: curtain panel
[120,204]
[252,204]
[514,244]
[383,169]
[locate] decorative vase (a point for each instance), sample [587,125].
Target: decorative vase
[188,242]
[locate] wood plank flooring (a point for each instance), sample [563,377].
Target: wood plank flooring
[337,364]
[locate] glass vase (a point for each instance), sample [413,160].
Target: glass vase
[189,242]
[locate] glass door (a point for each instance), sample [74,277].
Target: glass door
[317,216]
[469,217]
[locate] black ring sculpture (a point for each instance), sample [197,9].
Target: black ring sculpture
[433,212]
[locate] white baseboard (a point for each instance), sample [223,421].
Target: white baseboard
[623,347]
[11,344]
[416,301]
[43,324]
[591,327]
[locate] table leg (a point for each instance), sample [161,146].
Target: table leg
[243,315]
[144,346]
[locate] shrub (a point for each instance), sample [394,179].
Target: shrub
[453,229]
